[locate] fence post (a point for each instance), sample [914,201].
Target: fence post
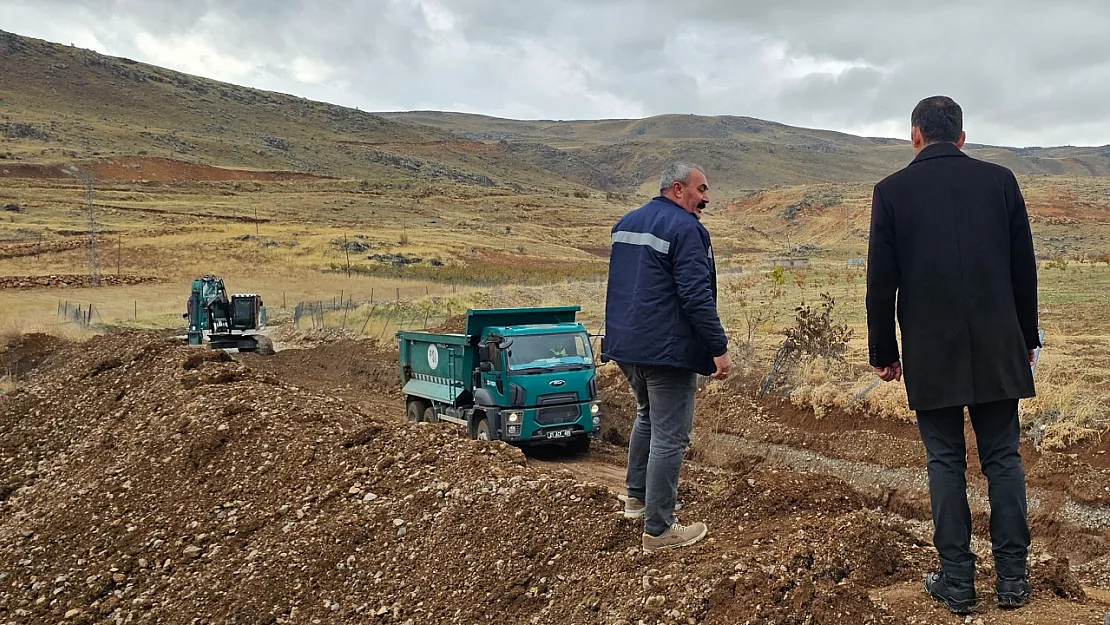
[387,319]
[367,322]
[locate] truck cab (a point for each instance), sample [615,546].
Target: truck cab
[541,381]
[525,376]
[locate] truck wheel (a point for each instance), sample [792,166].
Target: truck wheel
[415,411]
[430,415]
[481,432]
[580,445]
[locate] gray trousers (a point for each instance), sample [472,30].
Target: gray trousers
[660,436]
[997,434]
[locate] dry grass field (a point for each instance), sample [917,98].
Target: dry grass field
[419,255]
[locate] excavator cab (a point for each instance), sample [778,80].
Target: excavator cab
[225,322]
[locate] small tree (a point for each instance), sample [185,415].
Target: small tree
[800,281]
[814,333]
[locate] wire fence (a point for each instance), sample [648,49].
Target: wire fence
[79,314]
[359,317]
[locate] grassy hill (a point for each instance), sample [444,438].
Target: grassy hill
[741,152]
[59,103]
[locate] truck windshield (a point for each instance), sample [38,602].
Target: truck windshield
[568,350]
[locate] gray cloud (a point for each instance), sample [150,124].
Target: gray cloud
[1027,73]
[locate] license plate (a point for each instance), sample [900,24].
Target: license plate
[559,434]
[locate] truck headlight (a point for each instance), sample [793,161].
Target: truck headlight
[595,409]
[514,417]
[597,421]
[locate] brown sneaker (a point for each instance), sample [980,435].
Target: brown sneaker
[634,508]
[676,536]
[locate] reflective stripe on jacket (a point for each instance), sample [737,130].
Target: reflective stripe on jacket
[661,301]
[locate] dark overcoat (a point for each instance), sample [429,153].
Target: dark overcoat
[952,252]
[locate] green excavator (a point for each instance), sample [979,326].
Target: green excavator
[226,322]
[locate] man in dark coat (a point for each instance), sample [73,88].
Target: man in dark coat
[952,252]
[662,329]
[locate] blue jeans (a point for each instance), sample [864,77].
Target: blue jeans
[660,435]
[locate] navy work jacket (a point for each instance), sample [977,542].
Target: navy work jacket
[661,300]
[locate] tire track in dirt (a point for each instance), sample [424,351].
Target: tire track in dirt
[877,480]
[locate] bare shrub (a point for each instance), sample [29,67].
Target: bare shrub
[816,335]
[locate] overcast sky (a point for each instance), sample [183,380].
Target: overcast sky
[1026,72]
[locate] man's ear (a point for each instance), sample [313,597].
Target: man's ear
[916,138]
[963,137]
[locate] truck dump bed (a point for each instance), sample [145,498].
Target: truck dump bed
[438,365]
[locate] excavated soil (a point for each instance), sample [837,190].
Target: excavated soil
[145,480]
[22,353]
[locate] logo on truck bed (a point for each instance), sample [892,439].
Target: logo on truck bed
[433,356]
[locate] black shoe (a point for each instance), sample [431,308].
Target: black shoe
[956,594]
[1013,592]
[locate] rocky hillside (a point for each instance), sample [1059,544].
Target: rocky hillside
[59,102]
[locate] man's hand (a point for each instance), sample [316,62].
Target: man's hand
[1032,356]
[724,366]
[890,372]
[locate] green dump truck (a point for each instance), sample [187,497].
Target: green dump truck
[521,375]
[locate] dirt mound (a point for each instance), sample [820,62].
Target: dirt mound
[767,494]
[804,569]
[452,325]
[147,480]
[21,354]
[361,366]
[289,336]
[618,406]
[152,479]
[151,168]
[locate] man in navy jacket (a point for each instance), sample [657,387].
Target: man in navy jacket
[662,329]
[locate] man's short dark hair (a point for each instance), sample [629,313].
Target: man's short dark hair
[939,119]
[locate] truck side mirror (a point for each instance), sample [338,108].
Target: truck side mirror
[486,366]
[483,353]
